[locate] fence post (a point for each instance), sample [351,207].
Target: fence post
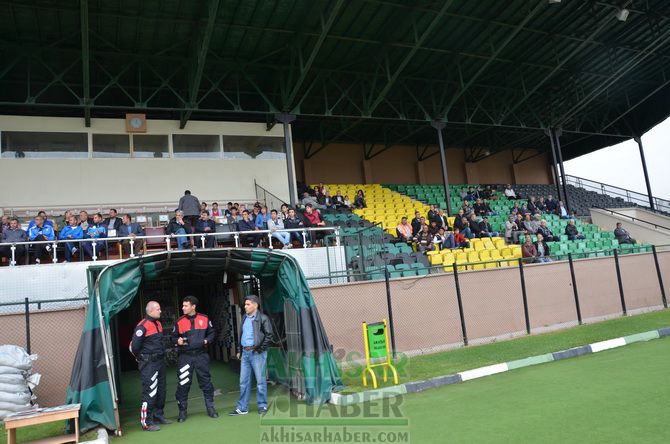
[574,289]
[460,305]
[660,277]
[27,311]
[390,310]
[618,278]
[524,295]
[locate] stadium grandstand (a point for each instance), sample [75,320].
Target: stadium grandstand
[323,155]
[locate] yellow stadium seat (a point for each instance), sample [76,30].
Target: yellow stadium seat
[435,259]
[499,243]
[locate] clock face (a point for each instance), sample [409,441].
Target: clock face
[136,122]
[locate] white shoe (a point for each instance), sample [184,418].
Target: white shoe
[37,261]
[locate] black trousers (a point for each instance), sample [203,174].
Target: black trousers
[152,375]
[5,251]
[187,365]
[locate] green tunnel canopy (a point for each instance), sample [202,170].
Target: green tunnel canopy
[91,384]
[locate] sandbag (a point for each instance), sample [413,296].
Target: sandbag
[14,388]
[15,356]
[6,370]
[12,379]
[17,398]
[15,407]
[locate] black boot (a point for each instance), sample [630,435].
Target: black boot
[212,413]
[159,418]
[182,416]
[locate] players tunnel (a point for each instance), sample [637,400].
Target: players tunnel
[301,358]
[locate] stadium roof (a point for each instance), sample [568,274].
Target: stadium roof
[369,71]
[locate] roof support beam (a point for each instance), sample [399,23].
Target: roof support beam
[417,44]
[85,62]
[201,57]
[472,79]
[304,69]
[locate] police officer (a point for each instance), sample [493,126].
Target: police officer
[192,333]
[147,347]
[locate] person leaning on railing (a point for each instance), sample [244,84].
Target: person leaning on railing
[12,234]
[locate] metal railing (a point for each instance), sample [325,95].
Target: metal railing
[634,197]
[271,201]
[237,237]
[632,218]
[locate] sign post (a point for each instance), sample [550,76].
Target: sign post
[377,352]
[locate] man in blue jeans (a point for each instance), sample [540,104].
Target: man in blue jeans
[253,351]
[179,228]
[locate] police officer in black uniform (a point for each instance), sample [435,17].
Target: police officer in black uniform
[191,334]
[147,347]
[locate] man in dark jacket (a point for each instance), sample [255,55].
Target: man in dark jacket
[13,234]
[416,223]
[255,338]
[131,229]
[246,225]
[294,221]
[179,227]
[190,205]
[192,333]
[205,225]
[113,222]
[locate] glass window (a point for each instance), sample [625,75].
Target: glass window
[196,146]
[253,147]
[35,145]
[151,146]
[111,145]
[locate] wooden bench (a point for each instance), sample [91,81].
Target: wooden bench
[42,416]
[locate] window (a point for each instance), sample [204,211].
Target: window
[253,147]
[111,146]
[196,146]
[35,145]
[147,146]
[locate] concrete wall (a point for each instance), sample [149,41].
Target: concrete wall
[640,231]
[345,163]
[54,337]
[425,310]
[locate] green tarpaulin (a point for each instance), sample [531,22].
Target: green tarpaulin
[92,381]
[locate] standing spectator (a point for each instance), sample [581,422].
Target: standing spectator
[112,223]
[424,240]
[205,226]
[97,232]
[546,233]
[179,228]
[246,225]
[13,233]
[485,228]
[432,214]
[512,231]
[274,225]
[70,233]
[528,250]
[404,230]
[293,221]
[543,251]
[190,207]
[131,229]
[509,192]
[359,201]
[41,232]
[571,231]
[622,235]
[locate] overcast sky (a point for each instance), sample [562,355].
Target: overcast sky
[620,164]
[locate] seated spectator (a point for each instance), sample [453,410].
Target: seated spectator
[472,194]
[215,211]
[442,220]
[486,193]
[71,233]
[562,211]
[262,218]
[310,200]
[543,251]
[475,228]
[479,208]
[416,223]
[13,233]
[338,200]
[509,192]
[131,229]
[404,230]
[43,215]
[622,235]
[541,206]
[205,226]
[528,250]
[112,223]
[275,224]
[347,202]
[203,207]
[467,209]
[551,205]
[571,231]
[234,217]
[512,231]
[432,213]
[97,232]
[38,233]
[255,211]
[84,220]
[460,241]
[424,240]
[246,225]
[321,189]
[294,221]
[532,205]
[530,224]
[465,228]
[229,208]
[485,229]
[66,218]
[179,228]
[444,239]
[313,219]
[524,210]
[433,228]
[4,224]
[359,201]
[515,209]
[458,218]
[487,209]
[546,233]
[463,193]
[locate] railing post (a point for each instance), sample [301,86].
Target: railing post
[93,245]
[524,296]
[237,240]
[574,289]
[167,242]
[618,278]
[13,261]
[132,247]
[27,312]
[390,309]
[460,305]
[337,237]
[660,277]
[270,241]
[202,241]
[304,239]
[55,247]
